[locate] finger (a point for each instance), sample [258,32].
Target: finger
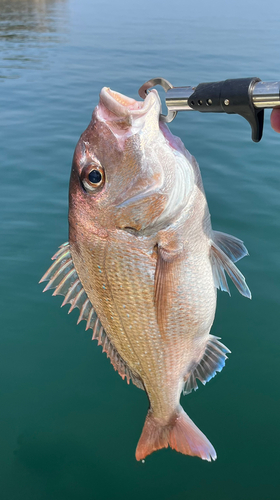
[275,119]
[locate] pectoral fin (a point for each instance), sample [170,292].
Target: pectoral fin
[165,278]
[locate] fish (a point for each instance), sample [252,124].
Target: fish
[143,263]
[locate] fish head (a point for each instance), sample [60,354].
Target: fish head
[125,172]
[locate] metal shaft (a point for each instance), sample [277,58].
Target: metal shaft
[177,98]
[266,95]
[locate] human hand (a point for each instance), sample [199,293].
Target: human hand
[275,119]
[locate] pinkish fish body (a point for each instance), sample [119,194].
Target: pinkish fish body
[143,263]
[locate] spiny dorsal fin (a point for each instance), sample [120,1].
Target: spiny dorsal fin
[63,277]
[212,361]
[221,262]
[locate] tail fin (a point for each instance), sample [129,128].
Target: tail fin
[180,433]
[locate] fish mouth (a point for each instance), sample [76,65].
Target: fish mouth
[126,107]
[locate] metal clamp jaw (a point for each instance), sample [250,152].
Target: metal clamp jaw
[143,91]
[244,96]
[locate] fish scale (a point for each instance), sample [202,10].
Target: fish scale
[139,306]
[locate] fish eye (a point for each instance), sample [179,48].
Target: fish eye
[92,177]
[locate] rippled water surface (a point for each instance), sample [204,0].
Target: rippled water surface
[69,424]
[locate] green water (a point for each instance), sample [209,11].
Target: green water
[69,424]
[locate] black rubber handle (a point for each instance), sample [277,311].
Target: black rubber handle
[230,96]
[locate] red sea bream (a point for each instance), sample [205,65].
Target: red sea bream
[143,264]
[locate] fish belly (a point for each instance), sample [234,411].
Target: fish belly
[118,276]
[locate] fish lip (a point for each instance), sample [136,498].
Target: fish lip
[123,106]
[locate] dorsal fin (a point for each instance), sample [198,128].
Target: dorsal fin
[63,277]
[212,361]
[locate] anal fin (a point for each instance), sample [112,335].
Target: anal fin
[212,361]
